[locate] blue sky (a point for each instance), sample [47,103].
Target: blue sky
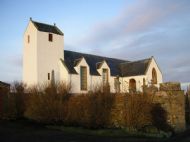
[127,29]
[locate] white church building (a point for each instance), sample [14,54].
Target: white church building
[45,60]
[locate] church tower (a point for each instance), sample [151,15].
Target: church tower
[43,49]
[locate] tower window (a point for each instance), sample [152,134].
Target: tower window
[48,76]
[28,39]
[50,37]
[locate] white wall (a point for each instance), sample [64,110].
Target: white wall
[75,79]
[29,55]
[152,65]
[48,56]
[95,81]
[139,79]
[41,56]
[125,83]
[64,74]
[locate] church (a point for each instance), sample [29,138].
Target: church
[45,60]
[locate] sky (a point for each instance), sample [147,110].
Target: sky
[125,29]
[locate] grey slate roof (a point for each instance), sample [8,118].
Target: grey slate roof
[117,66]
[134,68]
[47,28]
[4,84]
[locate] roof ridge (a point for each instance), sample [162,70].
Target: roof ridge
[130,62]
[44,27]
[43,23]
[98,56]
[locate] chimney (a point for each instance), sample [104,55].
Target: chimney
[30,18]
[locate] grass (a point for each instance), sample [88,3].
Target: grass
[109,132]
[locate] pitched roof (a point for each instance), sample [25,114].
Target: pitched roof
[134,68]
[47,28]
[4,84]
[71,57]
[117,67]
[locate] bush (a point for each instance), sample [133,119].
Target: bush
[13,104]
[47,103]
[91,110]
[52,103]
[137,113]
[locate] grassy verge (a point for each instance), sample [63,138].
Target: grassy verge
[109,132]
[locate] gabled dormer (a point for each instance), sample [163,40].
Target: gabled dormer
[104,71]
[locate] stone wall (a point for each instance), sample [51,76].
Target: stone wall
[172,101]
[174,104]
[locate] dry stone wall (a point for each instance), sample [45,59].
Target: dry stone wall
[171,99]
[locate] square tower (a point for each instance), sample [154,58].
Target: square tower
[43,49]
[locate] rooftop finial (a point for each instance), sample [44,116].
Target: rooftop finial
[30,18]
[54,24]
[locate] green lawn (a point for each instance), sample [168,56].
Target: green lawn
[109,132]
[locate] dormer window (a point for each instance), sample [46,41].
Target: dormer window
[28,38]
[105,76]
[50,37]
[83,78]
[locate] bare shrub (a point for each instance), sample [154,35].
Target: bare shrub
[78,111]
[19,97]
[91,110]
[100,105]
[13,104]
[137,113]
[46,103]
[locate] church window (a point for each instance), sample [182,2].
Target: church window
[105,76]
[48,76]
[50,37]
[154,76]
[28,39]
[132,85]
[117,84]
[144,82]
[83,78]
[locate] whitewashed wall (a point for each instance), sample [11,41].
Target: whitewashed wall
[125,82]
[64,74]
[139,79]
[152,65]
[40,56]
[95,81]
[30,55]
[48,56]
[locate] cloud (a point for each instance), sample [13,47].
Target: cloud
[138,18]
[142,29]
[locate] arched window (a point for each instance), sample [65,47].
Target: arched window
[132,85]
[154,76]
